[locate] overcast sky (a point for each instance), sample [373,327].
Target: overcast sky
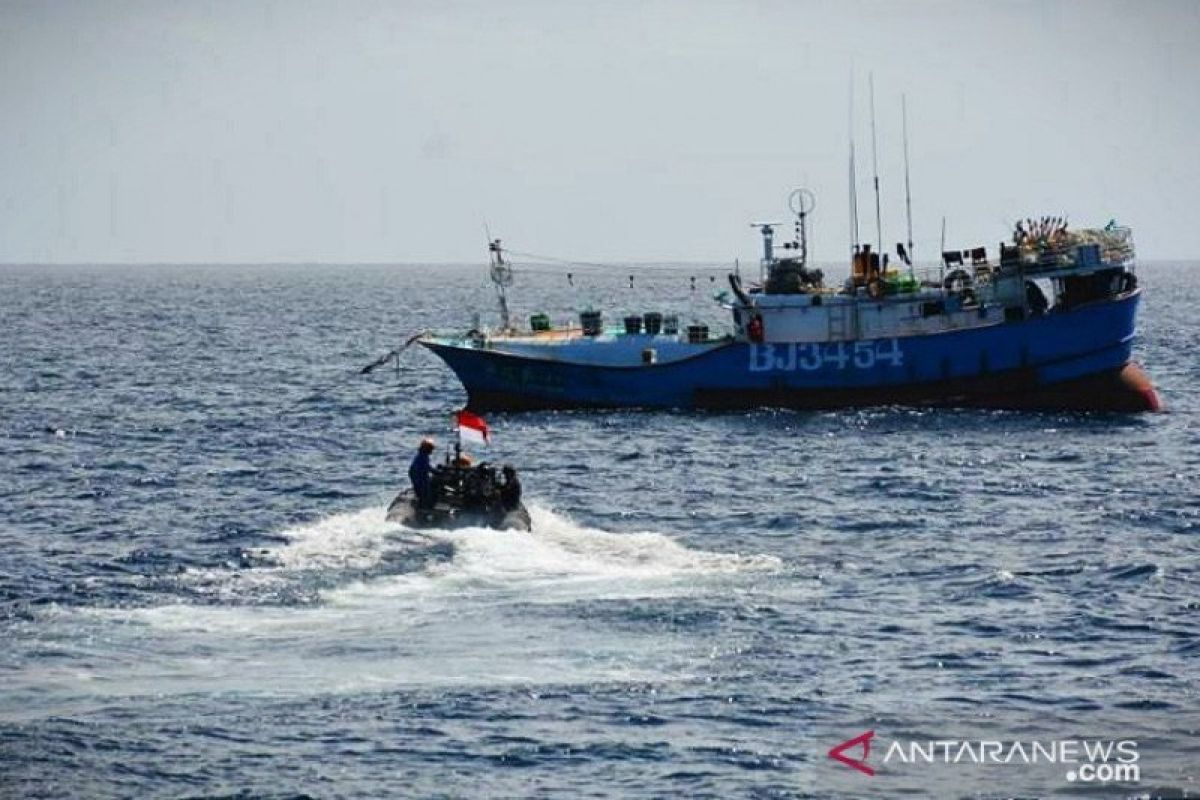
[389,131]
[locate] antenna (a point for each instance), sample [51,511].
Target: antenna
[875,167]
[802,202]
[853,176]
[907,192]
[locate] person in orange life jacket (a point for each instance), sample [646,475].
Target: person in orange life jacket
[754,330]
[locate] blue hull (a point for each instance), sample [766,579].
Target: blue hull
[1067,359]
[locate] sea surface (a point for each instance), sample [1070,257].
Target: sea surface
[199,595]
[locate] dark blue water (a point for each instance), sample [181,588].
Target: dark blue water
[199,595]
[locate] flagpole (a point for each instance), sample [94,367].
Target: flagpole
[457,440]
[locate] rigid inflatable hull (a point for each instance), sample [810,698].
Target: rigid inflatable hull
[444,517]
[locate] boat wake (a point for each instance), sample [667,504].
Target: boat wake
[348,558]
[558,557]
[396,607]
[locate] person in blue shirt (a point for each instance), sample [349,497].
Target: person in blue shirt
[419,473]
[510,490]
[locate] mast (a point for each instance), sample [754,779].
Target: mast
[907,192]
[854,239]
[875,168]
[943,250]
[853,204]
[501,274]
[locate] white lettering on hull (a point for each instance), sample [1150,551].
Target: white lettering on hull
[812,356]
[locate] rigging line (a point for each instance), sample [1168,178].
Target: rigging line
[623,270]
[394,353]
[566,261]
[643,281]
[642,286]
[665,272]
[317,393]
[611,266]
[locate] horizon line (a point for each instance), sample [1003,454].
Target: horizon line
[580,263]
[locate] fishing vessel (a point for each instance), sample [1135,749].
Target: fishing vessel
[1049,324]
[1047,320]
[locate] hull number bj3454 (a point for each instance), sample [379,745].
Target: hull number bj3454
[813,356]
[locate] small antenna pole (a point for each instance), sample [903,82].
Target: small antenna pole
[907,192]
[875,168]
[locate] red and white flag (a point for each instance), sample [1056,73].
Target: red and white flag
[472,428]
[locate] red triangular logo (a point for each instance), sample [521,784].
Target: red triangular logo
[838,753]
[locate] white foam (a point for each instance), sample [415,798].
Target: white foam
[351,541]
[347,541]
[483,611]
[557,554]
